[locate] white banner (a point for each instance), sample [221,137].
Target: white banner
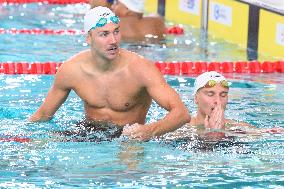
[220,13]
[190,6]
[280,34]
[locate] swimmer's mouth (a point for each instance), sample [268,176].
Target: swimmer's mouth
[113,48]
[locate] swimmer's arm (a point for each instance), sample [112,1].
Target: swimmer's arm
[250,129]
[166,97]
[230,124]
[54,99]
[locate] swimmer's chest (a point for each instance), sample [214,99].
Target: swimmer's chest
[116,92]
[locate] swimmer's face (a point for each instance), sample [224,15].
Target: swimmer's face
[207,98]
[104,41]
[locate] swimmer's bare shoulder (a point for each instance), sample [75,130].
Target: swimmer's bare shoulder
[69,71]
[76,61]
[142,67]
[157,22]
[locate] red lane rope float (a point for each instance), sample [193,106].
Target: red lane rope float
[29,68]
[189,68]
[168,68]
[14,139]
[175,30]
[38,31]
[43,1]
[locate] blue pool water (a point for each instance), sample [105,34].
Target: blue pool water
[49,162]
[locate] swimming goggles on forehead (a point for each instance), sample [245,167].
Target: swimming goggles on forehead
[103,21]
[212,83]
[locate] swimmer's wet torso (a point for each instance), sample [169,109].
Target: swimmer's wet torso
[117,95]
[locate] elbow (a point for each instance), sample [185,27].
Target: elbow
[185,116]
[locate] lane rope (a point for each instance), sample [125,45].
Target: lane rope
[167,68]
[18,139]
[43,1]
[174,30]
[37,31]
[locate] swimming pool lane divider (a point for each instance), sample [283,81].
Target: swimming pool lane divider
[29,68]
[166,68]
[43,1]
[38,31]
[175,30]
[15,139]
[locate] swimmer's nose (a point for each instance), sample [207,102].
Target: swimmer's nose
[113,39]
[217,100]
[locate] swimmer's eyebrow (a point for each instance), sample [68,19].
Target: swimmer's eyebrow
[108,31]
[213,92]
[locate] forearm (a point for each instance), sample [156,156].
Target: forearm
[172,121]
[40,116]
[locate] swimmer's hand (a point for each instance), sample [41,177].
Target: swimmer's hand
[216,120]
[138,132]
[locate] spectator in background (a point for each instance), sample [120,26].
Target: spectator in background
[104,3]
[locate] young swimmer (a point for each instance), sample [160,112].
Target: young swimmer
[116,85]
[211,97]
[209,129]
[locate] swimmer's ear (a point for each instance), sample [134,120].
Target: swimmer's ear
[88,38]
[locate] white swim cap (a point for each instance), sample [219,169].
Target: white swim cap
[203,79]
[134,5]
[98,17]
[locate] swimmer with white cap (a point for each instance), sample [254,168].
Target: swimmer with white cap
[115,85]
[136,26]
[211,97]
[133,5]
